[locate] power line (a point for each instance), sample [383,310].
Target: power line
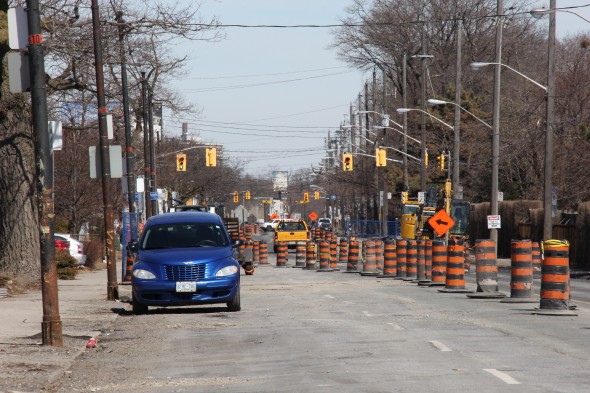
[260,75]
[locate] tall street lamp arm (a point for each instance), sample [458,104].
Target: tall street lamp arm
[476,65]
[433,101]
[403,110]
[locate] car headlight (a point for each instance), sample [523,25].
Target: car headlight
[143,274]
[226,271]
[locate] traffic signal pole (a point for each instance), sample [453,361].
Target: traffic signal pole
[51,326]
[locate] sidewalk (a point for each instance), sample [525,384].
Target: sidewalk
[28,366]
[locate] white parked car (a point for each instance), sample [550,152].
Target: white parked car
[76,247]
[271,225]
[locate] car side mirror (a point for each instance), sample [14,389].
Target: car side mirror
[133,246]
[237,243]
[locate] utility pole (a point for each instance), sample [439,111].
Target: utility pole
[549,122]
[385,207]
[496,118]
[51,326]
[153,188]
[405,121]
[457,125]
[105,166]
[423,121]
[130,155]
[146,147]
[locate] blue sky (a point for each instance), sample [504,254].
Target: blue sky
[240,82]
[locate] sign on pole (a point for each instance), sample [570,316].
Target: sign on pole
[494,222]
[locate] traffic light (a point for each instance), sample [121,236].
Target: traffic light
[181,162]
[211,156]
[347,162]
[380,157]
[236,197]
[316,195]
[404,196]
[305,197]
[247,194]
[442,162]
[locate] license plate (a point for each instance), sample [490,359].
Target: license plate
[186,286]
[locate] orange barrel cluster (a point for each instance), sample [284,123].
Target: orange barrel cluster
[521,279]
[334,252]
[389,259]
[343,254]
[370,265]
[353,257]
[439,263]
[324,257]
[411,260]
[428,260]
[536,252]
[256,251]
[555,276]
[310,255]
[300,254]
[455,280]
[420,261]
[486,270]
[263,254]
[401,259]
[282,254]
[379,254]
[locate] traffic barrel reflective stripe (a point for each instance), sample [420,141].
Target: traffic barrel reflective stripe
[324,256]
[310,255]
[353,257]
[401,246]
[439,263]
[555,276]
[343,251]
[300,251]
[389,259]
[521,282]
[263,247]
[420,260]
[370,266]
[282,254]
[411,260]
[379,258]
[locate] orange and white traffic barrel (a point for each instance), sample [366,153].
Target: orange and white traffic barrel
[455,279]
[389,259]
[521,273]
[300,254]
[411,260]
[282,254]
[353,257]
[486,270]
[401,267]
[370,265]
[263,254]
[310,259]
[324,256]
[439,263]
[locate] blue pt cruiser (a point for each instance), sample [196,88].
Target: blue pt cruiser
[184,258]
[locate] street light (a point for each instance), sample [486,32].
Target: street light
[475,66]
[433,101]
[405,110]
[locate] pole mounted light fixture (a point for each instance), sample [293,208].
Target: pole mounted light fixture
[476,65]
[406,110]
[434,101]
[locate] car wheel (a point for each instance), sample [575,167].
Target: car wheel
[138,308]
[234,305]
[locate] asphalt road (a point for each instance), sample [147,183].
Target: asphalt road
[305,331]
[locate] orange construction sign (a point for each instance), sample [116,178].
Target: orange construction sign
[441,222]
[313,216]
[274,216]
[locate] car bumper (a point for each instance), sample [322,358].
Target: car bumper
[163,293]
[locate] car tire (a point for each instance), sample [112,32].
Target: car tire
[235,305]
[138,308]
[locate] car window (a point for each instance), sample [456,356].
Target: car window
[183,235]
[292,226]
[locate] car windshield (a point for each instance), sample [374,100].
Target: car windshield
[183,235]
[291,226]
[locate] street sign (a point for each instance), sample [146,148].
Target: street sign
[153,195]
[421,196]
[313,216]
[441,222]
[494,222]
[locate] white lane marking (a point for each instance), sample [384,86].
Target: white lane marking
[330,296]
[368,314]
[395,326]
[440,346]
[502,376]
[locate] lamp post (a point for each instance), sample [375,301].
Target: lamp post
[406,110]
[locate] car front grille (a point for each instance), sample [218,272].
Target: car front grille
[184,272]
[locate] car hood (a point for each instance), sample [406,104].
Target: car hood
[179,255]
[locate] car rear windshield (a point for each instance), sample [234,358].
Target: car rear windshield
[291,226]
[183,235]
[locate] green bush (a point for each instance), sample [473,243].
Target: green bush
[67,266]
